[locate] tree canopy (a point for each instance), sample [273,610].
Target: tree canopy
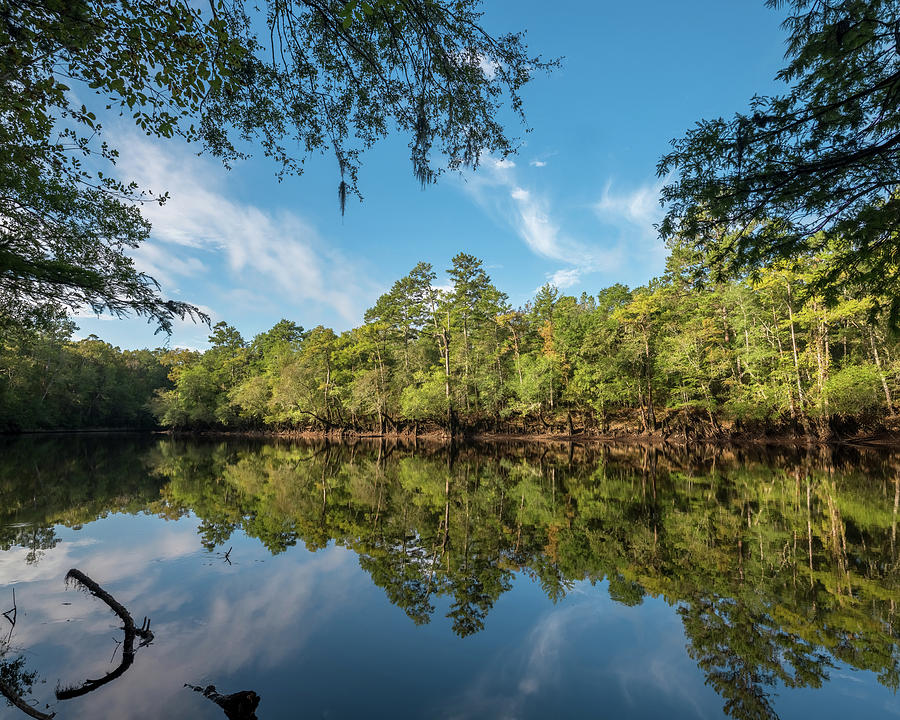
[667,359]
[813,170]
[292,77]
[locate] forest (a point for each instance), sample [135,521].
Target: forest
[681,357]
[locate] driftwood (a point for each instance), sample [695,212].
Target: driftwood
[12,615]
[237,706]
[13,612]
[10,695]
[131,633]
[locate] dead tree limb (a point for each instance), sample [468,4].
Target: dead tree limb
[131,632]
[10,695]
[237,706]
[14,611]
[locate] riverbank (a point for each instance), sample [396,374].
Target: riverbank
[883,438]
[883,432]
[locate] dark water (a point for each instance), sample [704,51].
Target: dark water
[503,581]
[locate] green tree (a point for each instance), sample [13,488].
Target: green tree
[316,76]
[810,169]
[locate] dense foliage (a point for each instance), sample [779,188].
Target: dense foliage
[781,565]
[670,358]
[293,78]
[48,381]
[814,168]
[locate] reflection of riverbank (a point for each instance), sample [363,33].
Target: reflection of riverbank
[782,561]
[765,438]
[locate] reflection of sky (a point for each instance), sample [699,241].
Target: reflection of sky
[314,637]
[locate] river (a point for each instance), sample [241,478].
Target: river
[495,580]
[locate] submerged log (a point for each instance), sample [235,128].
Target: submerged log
[10,695]
[237,706]
[131,632]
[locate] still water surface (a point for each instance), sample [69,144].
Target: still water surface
[515,581]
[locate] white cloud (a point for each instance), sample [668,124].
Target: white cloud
[565,278]
[538,163]
[166,267]
[502,163]
[536,227]
[488,67]
[497,189]
[634,214]
[274,252]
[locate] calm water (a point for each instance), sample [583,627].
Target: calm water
[373,580]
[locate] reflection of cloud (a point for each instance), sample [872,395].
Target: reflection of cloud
[210,621]
[547,640]
[664,672]
[632,658]
[503,688]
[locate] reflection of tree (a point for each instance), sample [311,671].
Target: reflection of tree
[132,633]
[45,481]
[35,539]
[16,683]
[404,579]
[744,654]
[475,588]
[770,587]
[781,563]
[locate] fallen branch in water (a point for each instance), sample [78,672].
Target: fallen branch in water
[14,611]
[131,632]
[10,695]
[237,706]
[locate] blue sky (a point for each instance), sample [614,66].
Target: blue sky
[576,206]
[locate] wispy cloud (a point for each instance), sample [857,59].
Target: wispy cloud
[538,163]
[498,189]
[166,267]
[266,252]
[633,214]
[564,278]
[488,67]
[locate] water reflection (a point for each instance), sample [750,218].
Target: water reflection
[782,565]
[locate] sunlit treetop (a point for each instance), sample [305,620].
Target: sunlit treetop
[815,168]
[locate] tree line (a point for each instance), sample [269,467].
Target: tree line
[675,358]
[49,381]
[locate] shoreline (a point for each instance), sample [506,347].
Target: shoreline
[883,438]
